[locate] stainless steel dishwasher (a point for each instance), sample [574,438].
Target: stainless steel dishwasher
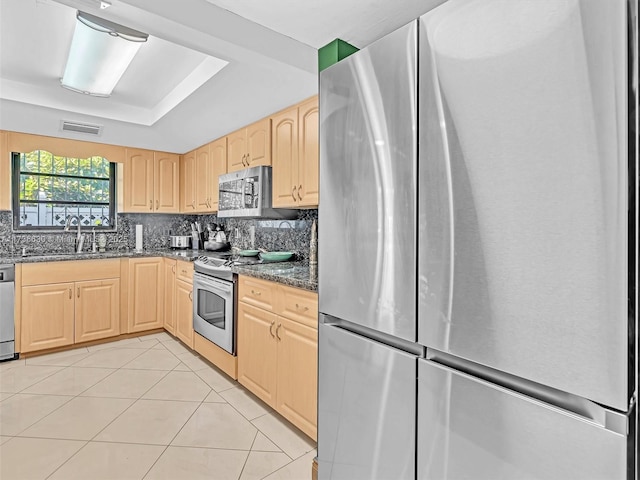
[7,328]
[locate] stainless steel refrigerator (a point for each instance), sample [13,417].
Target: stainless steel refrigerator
[477,246]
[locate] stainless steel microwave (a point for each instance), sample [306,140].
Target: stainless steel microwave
[247,193]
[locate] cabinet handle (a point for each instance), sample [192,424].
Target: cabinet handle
[257,294]
[293,193]
[184,272]
[78,293]
[70,294]
[150,204]
[158,203]
[271,328]
[277,330]
[304,309]
[300,190]
[191,296]
[173,268]
[193,204]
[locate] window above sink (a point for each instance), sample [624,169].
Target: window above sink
[47,189]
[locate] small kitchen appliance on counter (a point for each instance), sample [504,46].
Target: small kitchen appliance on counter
[180,241]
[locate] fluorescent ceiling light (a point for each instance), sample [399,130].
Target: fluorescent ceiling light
[100,53]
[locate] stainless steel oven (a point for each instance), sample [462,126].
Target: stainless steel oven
[214,303]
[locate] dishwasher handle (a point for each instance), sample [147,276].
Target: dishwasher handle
[7,273]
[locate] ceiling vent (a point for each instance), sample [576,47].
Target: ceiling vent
[81,128]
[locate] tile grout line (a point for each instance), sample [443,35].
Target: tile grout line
[174,437]
[250,450]
[65,462]
[114,419]
[87,441]
[72,397]
[233,384]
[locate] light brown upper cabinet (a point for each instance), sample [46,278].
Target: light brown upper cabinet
[166,186]
[250,146]
[203,178]
[151,182]
[200,171]
[284,134]
[218,154]
[187,182]
[295,156]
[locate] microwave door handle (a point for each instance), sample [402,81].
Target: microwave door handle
[243,189]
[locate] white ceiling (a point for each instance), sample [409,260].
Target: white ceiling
[179,92]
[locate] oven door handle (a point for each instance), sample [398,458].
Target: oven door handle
[201,281]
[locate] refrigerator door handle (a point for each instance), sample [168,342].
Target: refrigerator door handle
[612,420]
[375,335]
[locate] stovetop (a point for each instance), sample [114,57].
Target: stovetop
[218,264]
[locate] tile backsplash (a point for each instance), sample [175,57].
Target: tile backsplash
[273,235]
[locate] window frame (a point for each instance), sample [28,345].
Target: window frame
[15,200]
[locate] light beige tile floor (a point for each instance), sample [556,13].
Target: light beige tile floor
[141,408]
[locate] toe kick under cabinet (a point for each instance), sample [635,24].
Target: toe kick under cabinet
[278,348]
[69,302]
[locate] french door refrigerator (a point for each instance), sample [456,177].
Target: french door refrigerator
[476,262]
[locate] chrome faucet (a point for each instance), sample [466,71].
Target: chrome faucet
[79,237]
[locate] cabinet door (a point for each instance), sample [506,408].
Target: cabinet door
[166,189]
[97,309]
[169,310]
[309,153]
[237,150]
[184,312]
[218,153]
[138,181]
[47,316]
[297,398]
[284,135]
[146,285]
[203,179]
[259,143]
[257,352]
[187,183]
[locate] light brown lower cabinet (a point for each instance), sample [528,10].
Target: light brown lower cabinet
[97,309]
[297,388]
[257,352]
[278,356]
[47,316]
[184,312]
[63,303]
[146,289]
[60,314]
[169,300]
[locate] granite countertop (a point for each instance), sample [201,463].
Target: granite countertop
[294,274]
[185,255]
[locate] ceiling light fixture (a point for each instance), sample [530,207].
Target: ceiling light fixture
[100,53]
[104,5]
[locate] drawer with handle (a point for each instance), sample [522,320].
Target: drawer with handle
[184,271]
[256,292]
[298,305]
